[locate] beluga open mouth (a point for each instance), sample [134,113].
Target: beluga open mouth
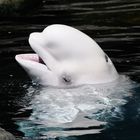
[65,56]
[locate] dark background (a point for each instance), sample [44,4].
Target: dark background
[114,24]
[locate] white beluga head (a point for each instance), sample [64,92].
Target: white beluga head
[64,57]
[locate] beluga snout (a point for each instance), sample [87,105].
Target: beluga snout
[64,57]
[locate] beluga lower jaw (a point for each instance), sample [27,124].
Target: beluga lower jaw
[65,57]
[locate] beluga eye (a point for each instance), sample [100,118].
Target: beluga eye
[66,79]
[106,58]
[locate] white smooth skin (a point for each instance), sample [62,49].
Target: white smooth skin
[69,56]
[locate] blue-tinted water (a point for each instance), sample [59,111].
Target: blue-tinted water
[115,25]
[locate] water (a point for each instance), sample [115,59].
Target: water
[114,24]
[74,111]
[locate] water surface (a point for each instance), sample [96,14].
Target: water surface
[115,25]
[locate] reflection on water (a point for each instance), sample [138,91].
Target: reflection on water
[114,24]
[74,111]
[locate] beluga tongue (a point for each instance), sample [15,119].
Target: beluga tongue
[66,57]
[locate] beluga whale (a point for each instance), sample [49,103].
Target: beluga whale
[65,57]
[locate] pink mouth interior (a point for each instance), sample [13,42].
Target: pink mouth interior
[31,57]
